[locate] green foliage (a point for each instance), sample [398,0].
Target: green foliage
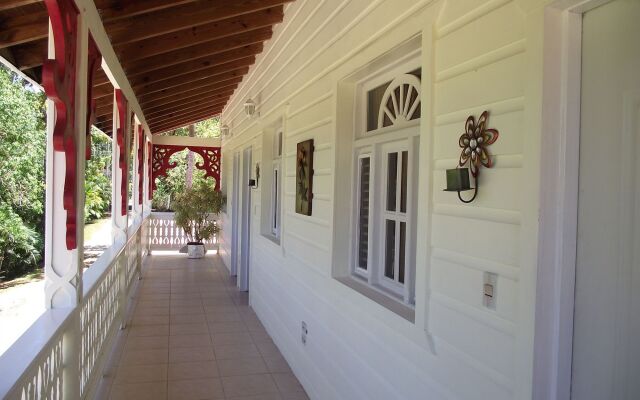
[22,174]
[196,209]
[20,246]
[97,184]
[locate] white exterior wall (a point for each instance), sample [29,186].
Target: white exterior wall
[477,55]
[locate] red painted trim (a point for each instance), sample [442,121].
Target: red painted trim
[59,83]
[150,169]
[140,163]
[121,103]
[95,58]
[161,163]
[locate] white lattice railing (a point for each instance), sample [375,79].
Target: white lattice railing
[64,351]
[164,234]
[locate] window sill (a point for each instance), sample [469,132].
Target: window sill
[379,296]
[271,238]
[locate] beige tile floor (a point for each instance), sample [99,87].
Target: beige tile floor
[193,336]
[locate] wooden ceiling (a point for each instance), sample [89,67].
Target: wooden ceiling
[183,58]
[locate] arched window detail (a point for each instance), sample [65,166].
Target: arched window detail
[400,102]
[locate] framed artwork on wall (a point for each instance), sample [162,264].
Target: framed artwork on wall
[304,177]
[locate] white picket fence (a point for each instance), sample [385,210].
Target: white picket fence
[164,234]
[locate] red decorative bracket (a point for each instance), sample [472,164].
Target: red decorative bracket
[59,82]
[161,163]
[121,103]
[95,58]
[140,163]
[150,171]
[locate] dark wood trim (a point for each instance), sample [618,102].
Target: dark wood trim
[196,88]
[219,72]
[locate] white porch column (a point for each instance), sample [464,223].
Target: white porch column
[63,266]
[118,174]
[137,204]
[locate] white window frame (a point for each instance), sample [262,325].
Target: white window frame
[376,144]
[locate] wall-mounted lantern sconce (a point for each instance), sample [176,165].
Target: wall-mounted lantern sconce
[253,183]
[474,144]
[249,108]
[224,130]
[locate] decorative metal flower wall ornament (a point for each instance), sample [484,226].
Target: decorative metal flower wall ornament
[474,143]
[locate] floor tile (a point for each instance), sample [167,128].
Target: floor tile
[226,327]
[139,391]
[188,354]
[147,342]
[149,330]
[196,389]
[287,383]
[193,370]
[141,374]
[248,385]
[227,351]
[242,366]
[144,357]
[268,349]
[189,329]
[200,340]
[277,364]
[231,338]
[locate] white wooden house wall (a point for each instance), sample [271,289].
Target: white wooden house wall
[476,55]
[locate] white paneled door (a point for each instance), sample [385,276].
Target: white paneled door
[606,345]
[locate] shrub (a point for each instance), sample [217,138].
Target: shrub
[18,244]
[195,209]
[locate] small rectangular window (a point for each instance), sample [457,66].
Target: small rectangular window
[275,201]
[392,180]
[390,249]
[403,181]
[363,214]
[402,251]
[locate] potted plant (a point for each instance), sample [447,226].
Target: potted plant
[196,212]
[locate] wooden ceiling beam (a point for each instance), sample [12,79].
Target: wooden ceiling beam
[178,123]
[181,17]
[186,90]
[218,73]
[24,28]
[184,109]
[10,4]
[113,10]
[197,110]
[225,30]
[233,58]
[30,55]
[220,47]
[174,102]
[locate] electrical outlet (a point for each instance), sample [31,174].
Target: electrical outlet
[490,290]
[304,333]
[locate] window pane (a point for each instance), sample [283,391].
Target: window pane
[392,180]
[390,249]
[363,218]
[275,199]
[403,182]
[374,98]
[402,251]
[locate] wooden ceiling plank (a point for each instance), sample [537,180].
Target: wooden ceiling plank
[218,47]
[226,29]
[216,93]
[247,54]
[171,125]
[15,31]
[164,114]
[197,110]
[219,72]
[30,54]
[185,16]
[187,90]
[111,10]
[191,114]
[10,4]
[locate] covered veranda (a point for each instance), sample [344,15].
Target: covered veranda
[136,325]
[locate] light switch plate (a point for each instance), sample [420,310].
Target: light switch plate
[490,290]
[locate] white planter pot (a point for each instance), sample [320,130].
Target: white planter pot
[195,250]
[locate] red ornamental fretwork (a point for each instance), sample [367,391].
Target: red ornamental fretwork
[95,58]
[121,139]
[150,171]
[59,82]
[140,163]
[161,161]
